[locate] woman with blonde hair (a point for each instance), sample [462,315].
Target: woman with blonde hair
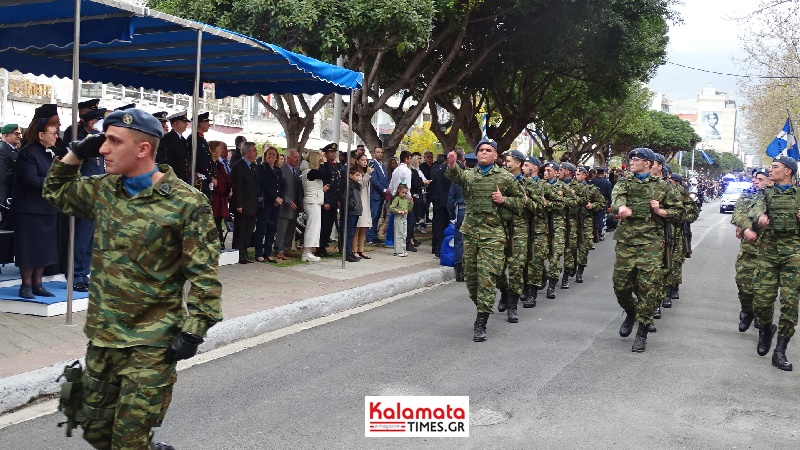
[313,199]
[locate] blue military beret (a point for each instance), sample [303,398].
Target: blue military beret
[486,140]
[552,164]
[761,171]
[582,169]
[568,166]
[667,167]
[135,119]
[642,152]
[677,177]
[471,156]
[659,158]
[534,160]
[787,161]
[516,154]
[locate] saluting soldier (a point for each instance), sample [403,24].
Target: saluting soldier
[537,233]
[747,258]
[175,149]
[776,212]
[643,203]
[594,202]
[154,233]
[490,194]
[512,287]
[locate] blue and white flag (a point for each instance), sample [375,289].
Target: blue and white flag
[483,125]
[680,158]
[784,143]
[708,158]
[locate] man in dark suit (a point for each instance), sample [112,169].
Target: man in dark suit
[331,177]
[9,151]
[605,187]
[438,191]
[379,187]
[174,148]
[244,200]
[292,203]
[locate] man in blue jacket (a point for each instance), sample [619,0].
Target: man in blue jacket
[379,183]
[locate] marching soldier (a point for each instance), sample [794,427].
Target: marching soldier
[490,194]
[594,202]
[681,243]
[747,258]
[559,197]
[572,234]
[643,204]
[776,212]
[537,234]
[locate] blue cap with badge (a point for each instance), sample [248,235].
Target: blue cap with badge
[135,119]
[643,153]
[552,164]
[787,161]
[516,154]
[568,166]
[486,140]
[534,160]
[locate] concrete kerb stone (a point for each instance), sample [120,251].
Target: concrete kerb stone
[18,390]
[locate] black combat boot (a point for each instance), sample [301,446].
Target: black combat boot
[641,339]
[530,300]
[459,268]
[501,305]
[652,328]
[551,287]
[513,300]
[480,327]
[545,277]
[674,294]
[572,272]
[779,355]
[565,279]
[745,319]
[579,275]
[627,325]
[657,313]
[524,295]
[667,302]
[160,446]
[756,325]
[765,338]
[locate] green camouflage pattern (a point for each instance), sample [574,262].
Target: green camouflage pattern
[643,226]
[595,197]
[578,201]
[559,197]
[746,265]
[485,228]
[517,261]
[778,264]
[144,380]
[538,248]
[147,247]
[638,271]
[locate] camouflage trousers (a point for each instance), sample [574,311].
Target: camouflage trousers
[515,263]
[587,239]
[554,257]
[746,264]
[484,259]
[571,244]
[675,273]
[638,270]
[778,266]
[534,266]
[144,380]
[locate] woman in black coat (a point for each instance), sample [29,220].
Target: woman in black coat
[271,190]
[35,234]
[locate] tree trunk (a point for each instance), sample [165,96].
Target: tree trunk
[296,128]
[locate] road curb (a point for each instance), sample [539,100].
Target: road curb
[18,390]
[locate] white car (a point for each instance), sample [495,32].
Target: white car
[731,195]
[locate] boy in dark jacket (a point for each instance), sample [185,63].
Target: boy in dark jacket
[354,210]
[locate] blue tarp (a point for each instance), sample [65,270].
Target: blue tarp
[136,46]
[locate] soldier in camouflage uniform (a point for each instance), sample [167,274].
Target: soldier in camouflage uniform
[747,258]
[776,211]
[153,233]
[690,213]
[559,196]
[535,273]
[594,202]
[643,203]
[512,286]
[658,171]
[490,194]
[573,232]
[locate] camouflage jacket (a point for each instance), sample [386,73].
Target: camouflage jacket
[741,220]
[643,226]
[483,217]
[595,197]
[145,248]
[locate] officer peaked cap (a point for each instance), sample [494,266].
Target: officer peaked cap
[161,116]
[46,111]
[94,114]
[124,107]
[787,161]
[135,119]
[89,104]
[179,116]
[203,117]
[332,147]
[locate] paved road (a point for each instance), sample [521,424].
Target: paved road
[561,378]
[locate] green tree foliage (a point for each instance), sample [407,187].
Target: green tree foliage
[662,132]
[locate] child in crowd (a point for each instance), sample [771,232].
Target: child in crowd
[399,207]
[354,210]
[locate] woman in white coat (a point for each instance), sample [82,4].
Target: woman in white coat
[313,199]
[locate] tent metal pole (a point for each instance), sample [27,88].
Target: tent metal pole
[76,92]
[195,105]
[347,181]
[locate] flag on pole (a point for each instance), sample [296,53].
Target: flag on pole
[708,158]
[680,158]
[483,125]
[784,143]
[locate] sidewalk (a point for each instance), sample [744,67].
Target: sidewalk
[256,298]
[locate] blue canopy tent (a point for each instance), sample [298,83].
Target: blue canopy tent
[137,46]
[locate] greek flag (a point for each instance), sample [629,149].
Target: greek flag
[784,142]
[680,158]
[708,158]
[483,125]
